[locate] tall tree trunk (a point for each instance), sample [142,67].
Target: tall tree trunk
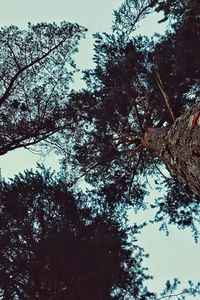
[179,147]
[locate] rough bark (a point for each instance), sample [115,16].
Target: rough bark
[179,147]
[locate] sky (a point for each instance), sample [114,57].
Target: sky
[173,256]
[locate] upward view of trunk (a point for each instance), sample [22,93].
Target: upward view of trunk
[179,147]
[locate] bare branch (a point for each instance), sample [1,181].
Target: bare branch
[48,99]
[132,152]
[85,173]
[165,93]
[17,143]
[154,163]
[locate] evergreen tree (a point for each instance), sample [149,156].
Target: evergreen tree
[36,67]
[139,113]
[140,110]
[50,248]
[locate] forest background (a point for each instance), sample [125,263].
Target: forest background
[145,241]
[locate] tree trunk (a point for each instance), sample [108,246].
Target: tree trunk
[179,147]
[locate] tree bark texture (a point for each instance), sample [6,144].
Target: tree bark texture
[179,147]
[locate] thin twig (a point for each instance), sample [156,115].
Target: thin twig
[157,167]
[134,151]
[172,295]
[141,13]
[137,114]
[14,56]
[84,173]
[134,172]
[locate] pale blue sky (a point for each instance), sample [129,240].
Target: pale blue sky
[173,256]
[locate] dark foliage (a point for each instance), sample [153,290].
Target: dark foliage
[36,67]
[178,206]
[126,94]
[52,249]
[178,11]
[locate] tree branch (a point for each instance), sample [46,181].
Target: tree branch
[21,70]
[135,13]
[134,151]
[134,172]
[172,295]
[142,12]
[137,114]
[14,56]
[18,143]
[165,94]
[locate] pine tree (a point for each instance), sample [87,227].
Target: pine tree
[140,113]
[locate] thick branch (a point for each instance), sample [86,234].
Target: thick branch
[18,142]
[142,12]
[165,94]
[137,114]
[153,138]
[21,70]
[136,13]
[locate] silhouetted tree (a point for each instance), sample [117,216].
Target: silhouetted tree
[52,249]
[140,111]
[36,67]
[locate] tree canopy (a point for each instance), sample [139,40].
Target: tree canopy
[137,118]
[36,69]
[53,249]
[138,83]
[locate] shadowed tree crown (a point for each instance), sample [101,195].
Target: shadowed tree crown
[53,249]
[140,111]
[36,67]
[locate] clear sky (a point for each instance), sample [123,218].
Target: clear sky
[173,256]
